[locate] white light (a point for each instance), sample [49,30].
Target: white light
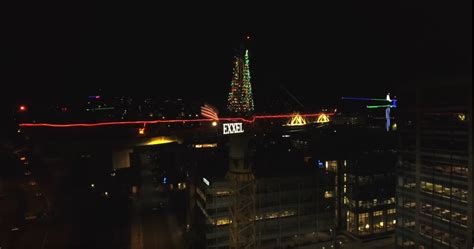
[233,128]
[92,185]
[214,123]
[206,181]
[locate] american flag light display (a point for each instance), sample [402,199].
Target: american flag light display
[209,111]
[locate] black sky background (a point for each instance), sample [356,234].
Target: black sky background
[64,52]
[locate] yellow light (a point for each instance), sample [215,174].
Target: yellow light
[323,118]
[222,193]
[462,116]
[214,123]
[328,194]
[160,140]
[181,185]
[223,221]
[297,120]
[394,221]
[200,146]
[381,223]
[367,226]
[141,131]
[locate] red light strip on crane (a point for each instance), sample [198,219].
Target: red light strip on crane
[168,121]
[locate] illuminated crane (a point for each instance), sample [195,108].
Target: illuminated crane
[242,211]
[389,103]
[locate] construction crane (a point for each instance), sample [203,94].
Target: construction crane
[243,187]
[389,103]
[291,96]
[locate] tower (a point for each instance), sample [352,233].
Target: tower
[242,230]
[240,99]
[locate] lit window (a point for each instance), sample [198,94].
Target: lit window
[223,221]
[378,213]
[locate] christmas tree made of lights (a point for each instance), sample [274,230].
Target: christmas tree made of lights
[240,100]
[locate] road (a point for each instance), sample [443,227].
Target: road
[159,226]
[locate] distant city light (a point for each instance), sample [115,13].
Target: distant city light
[320,164]
[200,146]
[160,140]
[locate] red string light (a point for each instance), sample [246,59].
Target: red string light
[169,121]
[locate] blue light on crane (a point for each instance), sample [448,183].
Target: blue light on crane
[391,103]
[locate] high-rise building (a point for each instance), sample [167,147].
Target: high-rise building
[434,185]
[369,194]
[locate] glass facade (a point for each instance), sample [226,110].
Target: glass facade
[370,213]
[434,171]
[296,206]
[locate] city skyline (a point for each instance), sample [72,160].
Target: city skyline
[331,125]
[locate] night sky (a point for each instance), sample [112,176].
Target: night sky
[60,52]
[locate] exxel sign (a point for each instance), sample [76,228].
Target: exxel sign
[233,128]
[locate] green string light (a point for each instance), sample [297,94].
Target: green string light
[240,99]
